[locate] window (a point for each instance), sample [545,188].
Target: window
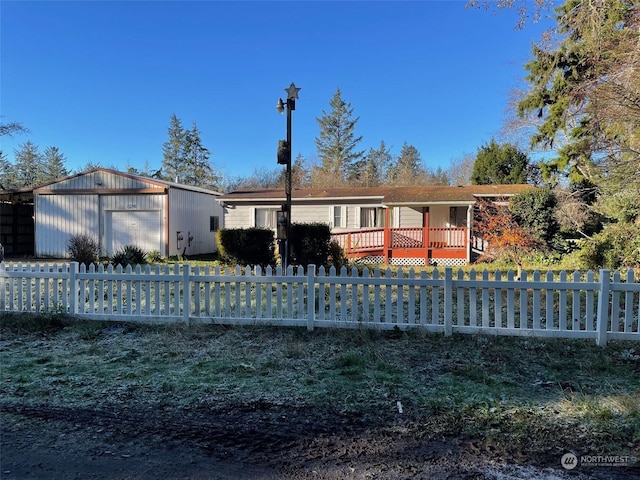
[338,216]
[371,217]
[214,224]
[266,217]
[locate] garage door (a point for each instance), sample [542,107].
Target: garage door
[139,228]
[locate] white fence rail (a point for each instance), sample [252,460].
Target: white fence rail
[543,304]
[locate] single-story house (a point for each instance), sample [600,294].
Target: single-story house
[121,209]
[416,225]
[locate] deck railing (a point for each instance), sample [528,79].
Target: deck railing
[566,305]
[379,239]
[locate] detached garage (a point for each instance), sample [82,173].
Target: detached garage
[121,209]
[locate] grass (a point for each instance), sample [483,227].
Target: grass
[515,393]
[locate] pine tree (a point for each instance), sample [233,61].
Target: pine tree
[29,168]
[408,169]
[8,179]
[173,161]
[337,142]
[198,170]
[585,92]
[371,171]
[53,162]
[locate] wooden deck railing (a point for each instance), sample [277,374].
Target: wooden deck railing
[380,239]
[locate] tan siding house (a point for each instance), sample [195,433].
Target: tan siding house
[397,225]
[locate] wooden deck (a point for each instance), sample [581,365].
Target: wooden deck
[405,242]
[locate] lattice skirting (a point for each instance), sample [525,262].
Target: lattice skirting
[412,261]
[448,262]
[370,260]
[407,261]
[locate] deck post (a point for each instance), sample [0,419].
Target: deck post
[387,235]
[425,235]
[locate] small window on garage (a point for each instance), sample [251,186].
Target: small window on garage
[214,224]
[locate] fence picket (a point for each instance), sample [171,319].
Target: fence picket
[549,294]
[524,301]
[447,303]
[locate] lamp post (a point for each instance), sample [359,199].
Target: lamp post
[284,158]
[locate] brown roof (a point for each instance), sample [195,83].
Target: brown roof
[386,195]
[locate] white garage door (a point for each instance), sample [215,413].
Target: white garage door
[139,228]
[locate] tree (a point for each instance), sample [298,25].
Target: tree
[337,142]
[461,169]
[535,210]
[439,176]
[408,169]
[505,237]
[8,179]
[186,159]
[198,170]
[174,151]
[53,163]
[585,89]
[11,128]
[29,168]
[499,164]
[373,168]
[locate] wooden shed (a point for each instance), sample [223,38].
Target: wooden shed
[121,209]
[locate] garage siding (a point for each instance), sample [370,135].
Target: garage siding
[59,217]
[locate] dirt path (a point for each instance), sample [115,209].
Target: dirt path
[252,442]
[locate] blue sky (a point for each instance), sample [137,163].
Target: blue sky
[100,80]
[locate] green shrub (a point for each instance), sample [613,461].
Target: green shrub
[83,248]
[129,255]
[534,209]
[309,243]
[617,246]
[337,257]
[246,246]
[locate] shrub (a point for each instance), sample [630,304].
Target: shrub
[83,248]
[246,246]
[337,257]
[617,246]
[129,255]
[534,209]
[309,243]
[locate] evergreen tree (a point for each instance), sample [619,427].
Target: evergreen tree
[7,173]
[408,168]
[337,142]
[499,164]
[372,169]
[585,92]
[198,171]
[53,162]
[29,167]
[174,151]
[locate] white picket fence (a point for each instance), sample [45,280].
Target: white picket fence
[541,304]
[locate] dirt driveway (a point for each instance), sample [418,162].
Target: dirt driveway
[251,442]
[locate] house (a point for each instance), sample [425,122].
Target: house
[416,225]
[121,209]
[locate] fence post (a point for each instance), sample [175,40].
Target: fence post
[311,297]
[73,288]
[448,301]
[602,321]
[186,292]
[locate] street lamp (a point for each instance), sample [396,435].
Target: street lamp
[284,158]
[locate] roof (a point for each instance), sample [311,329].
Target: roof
[428,194]
[151,181]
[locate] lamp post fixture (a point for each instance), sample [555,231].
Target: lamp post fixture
[284,158]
